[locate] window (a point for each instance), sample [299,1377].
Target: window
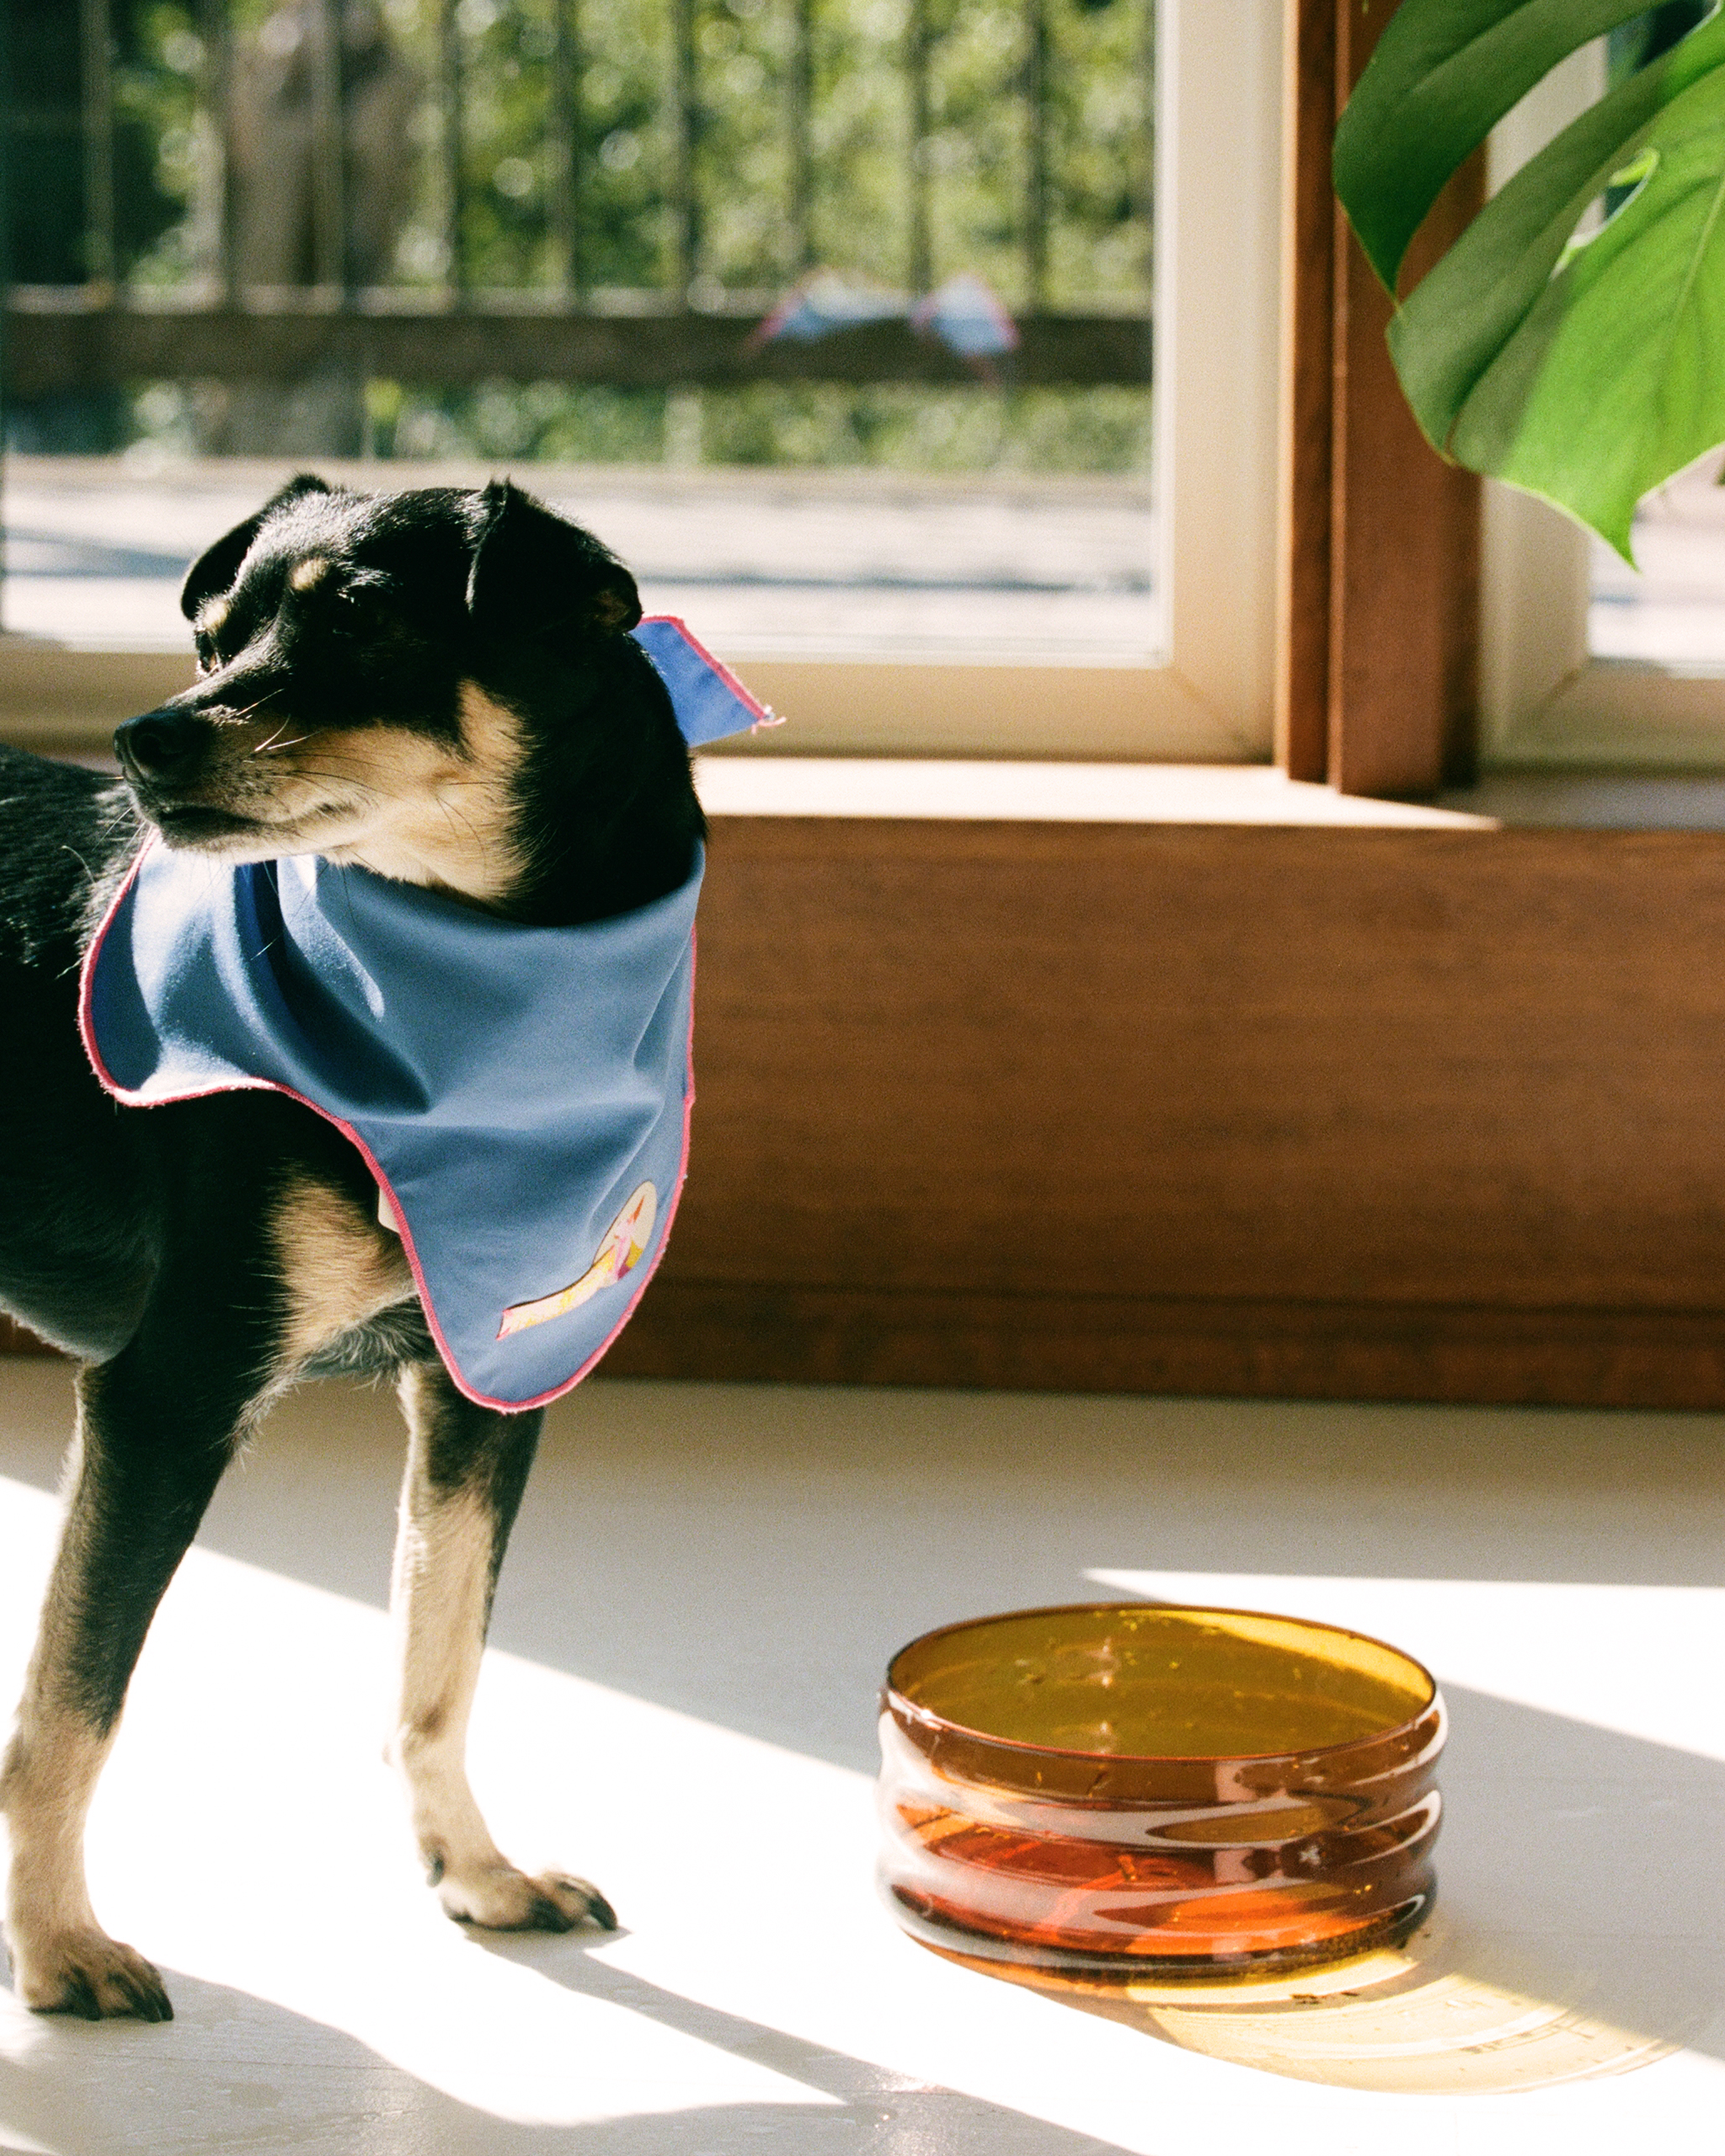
[968,612]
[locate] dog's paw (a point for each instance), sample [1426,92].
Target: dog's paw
[88,1974]
[501,1898]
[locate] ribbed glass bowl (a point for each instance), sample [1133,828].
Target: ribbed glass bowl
[1120,1791]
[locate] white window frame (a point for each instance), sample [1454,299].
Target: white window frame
[1544,699]
[1207,697]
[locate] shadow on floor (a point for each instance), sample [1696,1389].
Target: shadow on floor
[259,2078]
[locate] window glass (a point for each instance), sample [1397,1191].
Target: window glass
[1669,610]
[831,316]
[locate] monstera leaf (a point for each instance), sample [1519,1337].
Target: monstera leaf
[1588,370]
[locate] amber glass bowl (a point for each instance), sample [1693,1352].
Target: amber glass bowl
[1121,1791]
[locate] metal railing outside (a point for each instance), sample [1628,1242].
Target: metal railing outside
[575,190]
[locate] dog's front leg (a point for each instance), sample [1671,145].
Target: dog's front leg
[466,1467]
[147,1461]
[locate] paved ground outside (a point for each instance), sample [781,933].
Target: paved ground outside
[784,562]
[759,562]
[1670,611]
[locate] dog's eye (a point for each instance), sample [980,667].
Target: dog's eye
[204,646]
[365,611]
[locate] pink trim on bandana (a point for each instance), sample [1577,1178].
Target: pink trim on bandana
[764,713]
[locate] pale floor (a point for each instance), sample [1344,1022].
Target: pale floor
[705,1583]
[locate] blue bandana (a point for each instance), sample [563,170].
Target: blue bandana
[521,1094]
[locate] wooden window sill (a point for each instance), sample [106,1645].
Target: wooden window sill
[965,792]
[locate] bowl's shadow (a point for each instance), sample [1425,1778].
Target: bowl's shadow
[1445,2015]
[1571,1938]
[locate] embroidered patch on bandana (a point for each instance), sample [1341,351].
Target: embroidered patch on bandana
[624,1246]
[531,1156]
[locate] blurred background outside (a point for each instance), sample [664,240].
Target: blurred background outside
[831,316]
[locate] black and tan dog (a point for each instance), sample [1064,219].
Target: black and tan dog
[436,685]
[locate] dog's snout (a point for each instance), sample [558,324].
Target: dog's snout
[162,745]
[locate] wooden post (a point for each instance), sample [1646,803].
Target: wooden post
[1377,658]
[1308,308]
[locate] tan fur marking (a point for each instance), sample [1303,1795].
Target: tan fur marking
[440,817]
[212,614]
[46,1782]
[434,813]
[437,1597]
[313,570]
[61,1958]
[439,1589]
[340,1267]
[50,1778]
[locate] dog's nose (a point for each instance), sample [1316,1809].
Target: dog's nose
[162,745]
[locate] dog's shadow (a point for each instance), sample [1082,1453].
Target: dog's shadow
[235,2073]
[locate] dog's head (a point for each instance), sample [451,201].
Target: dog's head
[371,672]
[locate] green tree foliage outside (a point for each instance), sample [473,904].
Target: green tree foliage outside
[748,246]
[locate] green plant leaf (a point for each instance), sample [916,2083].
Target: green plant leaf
[1463,313]
[1586,371]
[1615,378]
[1444,74]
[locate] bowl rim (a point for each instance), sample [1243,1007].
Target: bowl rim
[894,1701]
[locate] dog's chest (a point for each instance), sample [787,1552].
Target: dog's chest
[341,1274]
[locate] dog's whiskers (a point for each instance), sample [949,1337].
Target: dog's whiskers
[275,743]
[234,718]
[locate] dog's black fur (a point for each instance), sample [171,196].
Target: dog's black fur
[436,685]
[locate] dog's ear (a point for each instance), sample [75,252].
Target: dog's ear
[214,569]
[534,574]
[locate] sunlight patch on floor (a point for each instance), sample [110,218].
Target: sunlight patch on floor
[1643,1661]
